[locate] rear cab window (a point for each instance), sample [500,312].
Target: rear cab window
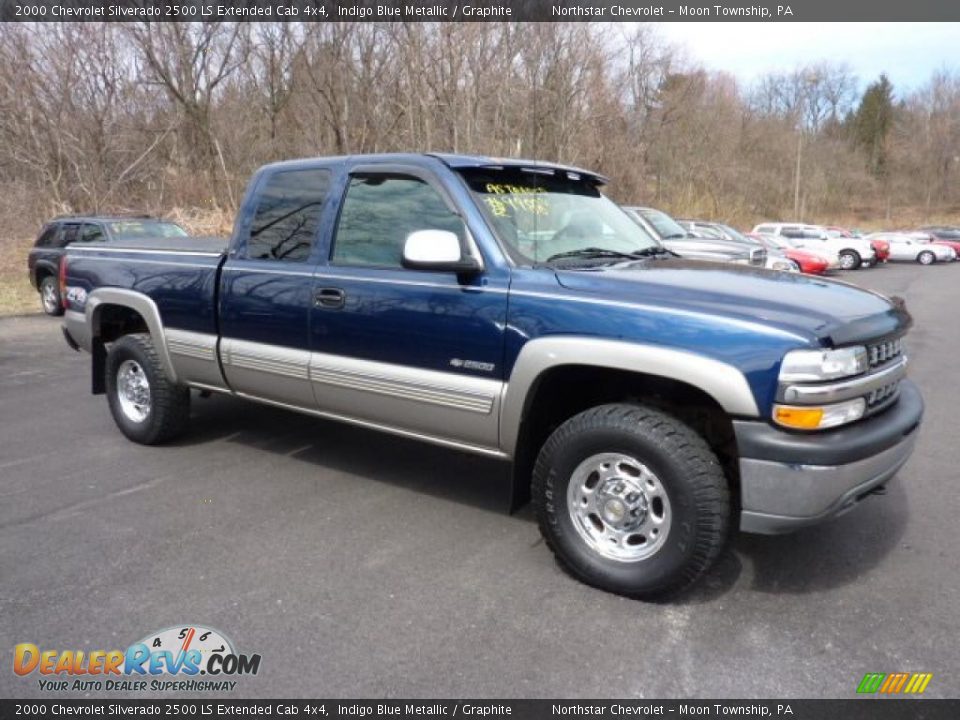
[289,207]
[47,236]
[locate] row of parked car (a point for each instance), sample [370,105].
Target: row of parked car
[797,247]
[791,247]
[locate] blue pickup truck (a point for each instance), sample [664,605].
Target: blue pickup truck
[648,404]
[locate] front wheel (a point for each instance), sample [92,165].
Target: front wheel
[926,258]
[849,259]
[631,500]
[146,405]
[50,296]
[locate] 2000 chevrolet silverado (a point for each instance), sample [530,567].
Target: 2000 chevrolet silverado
[508,308]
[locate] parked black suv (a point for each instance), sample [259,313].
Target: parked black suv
[43,263]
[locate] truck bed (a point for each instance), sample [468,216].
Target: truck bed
[180,274]
[198,243]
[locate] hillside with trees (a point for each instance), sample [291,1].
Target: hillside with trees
[174,117]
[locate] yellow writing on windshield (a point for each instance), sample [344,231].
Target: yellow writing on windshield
[504,197]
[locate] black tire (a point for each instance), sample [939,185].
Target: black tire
[50,299]
[926,258]
[683,464]
[850,259]
[168,411]
[870,263]
[796,266]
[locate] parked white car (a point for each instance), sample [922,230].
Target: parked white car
[853,253]
[915,247]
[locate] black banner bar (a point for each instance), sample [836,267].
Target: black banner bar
[480,10]
[861,709]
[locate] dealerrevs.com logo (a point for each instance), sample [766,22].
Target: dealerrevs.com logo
[185,658]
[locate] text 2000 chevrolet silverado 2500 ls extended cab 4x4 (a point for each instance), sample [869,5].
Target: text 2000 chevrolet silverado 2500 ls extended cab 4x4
[508,308]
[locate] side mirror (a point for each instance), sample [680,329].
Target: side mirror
[437,250]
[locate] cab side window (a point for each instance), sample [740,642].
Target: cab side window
[378,213]
[68,234]
[91,233]
[288,214]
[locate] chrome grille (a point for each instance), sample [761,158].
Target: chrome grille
[883,352]
[881,396]
[758,256]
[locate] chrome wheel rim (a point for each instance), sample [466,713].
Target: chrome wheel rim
[847,262]
[619,508]
[133,391]
[926,259]
[48,296]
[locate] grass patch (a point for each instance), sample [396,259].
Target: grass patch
[17,296]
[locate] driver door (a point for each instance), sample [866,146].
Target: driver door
[415,350]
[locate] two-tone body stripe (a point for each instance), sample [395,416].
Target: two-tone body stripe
[428,387]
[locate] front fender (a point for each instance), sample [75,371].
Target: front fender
[723,382]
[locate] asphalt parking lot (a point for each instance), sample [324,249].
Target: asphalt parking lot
[361,565]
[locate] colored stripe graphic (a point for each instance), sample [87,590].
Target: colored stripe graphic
[918,683]
[894,683]
[871,682]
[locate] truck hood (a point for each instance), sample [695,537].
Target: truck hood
[828,311]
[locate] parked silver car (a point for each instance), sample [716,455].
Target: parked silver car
[679,240]
[776,260]
[914,247]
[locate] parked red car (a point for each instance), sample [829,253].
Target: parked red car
[809,263]
[881,247]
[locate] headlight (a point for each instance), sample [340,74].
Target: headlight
[782,265]
[819,418]
[815,365]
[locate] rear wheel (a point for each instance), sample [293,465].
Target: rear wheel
[50,296]
[631,500]
[146,405]
[849,259]
[926,258]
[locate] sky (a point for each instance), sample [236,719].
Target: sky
[907,52]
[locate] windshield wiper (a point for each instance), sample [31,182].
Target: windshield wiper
[595,252]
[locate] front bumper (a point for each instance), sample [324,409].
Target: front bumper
[790,480]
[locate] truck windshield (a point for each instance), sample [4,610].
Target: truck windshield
[132,229]
[540,215]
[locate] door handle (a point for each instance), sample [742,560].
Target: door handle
[332,298]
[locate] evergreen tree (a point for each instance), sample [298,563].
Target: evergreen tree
[873,123]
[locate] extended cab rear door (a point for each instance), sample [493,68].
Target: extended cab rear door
[266,287]
[414,350]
